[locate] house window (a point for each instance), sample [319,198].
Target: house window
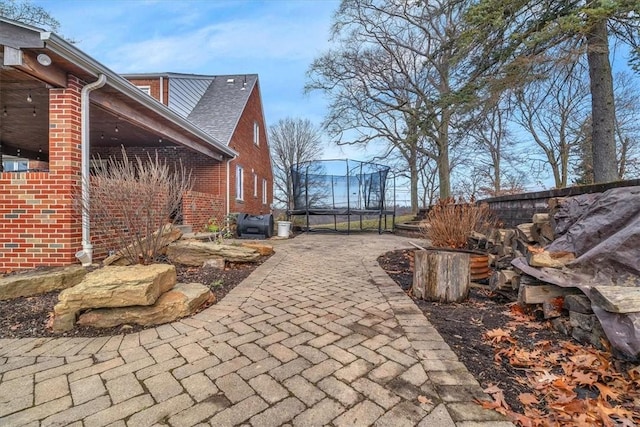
[15,165]
[146,89]
[265,200]
[255,184]
[256,133]
[239,183]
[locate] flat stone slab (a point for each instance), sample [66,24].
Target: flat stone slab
[113,286]
[195,252]
[39,282]
[262,248]
[183,300]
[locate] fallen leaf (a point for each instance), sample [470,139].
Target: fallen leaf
[585,378]
[607,392]
[545,378]
[498,335]
[528,399]
[425,400]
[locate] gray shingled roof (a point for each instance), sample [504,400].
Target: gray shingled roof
[220,107]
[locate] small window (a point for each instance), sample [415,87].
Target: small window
[15,165]
[255,184]
[146,89]
[265,200]
[239,183]
[256,133]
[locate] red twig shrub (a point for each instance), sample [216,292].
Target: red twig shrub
[133,201]
[449,223]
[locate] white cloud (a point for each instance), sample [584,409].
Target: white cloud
[276,39]
[250,40]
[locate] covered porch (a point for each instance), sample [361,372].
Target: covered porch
[59,108]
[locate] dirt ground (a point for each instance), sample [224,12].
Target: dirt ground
[26,317]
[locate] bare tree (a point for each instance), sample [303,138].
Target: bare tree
[28,13]
[627,134]
[392,77]
[627,126]
[553,111]
[292,141]
[491,156]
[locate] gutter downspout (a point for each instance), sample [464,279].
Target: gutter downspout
[228,188]
[87,247]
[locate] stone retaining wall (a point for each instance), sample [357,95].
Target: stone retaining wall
[519,208]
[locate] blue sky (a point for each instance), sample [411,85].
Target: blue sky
[277,39]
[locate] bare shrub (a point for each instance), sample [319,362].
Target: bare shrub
[134,202]
[449,223]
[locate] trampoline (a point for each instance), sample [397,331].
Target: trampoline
[343,188]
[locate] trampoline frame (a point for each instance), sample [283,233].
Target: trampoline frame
[308,211]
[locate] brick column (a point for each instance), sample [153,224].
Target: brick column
[39,223]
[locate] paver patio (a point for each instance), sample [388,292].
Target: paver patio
[317,335]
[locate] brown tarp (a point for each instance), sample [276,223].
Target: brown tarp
[603,230]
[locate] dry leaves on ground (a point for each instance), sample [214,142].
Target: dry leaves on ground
[571,385]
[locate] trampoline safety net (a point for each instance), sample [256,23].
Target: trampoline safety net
[339,187]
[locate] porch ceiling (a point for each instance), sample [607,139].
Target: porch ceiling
[27,135]
[24,134]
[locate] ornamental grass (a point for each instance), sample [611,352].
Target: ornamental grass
[450,223]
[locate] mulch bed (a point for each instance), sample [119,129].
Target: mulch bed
[463,325]
[27,317]
[534,374]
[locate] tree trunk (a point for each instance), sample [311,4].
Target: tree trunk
[602,105]
[444,174]
[441,276]
[413,170]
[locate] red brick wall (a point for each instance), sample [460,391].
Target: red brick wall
[198,208]
[39,224]
[253,159]
[209,174]
[154,85]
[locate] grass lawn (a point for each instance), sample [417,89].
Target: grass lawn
[368,222]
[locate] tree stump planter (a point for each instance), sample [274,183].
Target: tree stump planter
[441,275]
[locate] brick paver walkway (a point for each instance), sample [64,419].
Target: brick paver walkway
[318,335]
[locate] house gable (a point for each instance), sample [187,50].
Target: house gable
[219,109]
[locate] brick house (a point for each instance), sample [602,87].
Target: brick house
[59,108]
[230,109]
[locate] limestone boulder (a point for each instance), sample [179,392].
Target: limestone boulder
[113,286]
[195,253]
[262,248]
[183,300]
[38,282]
[214,263]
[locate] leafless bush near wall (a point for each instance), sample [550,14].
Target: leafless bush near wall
[449,223]
[131,200]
